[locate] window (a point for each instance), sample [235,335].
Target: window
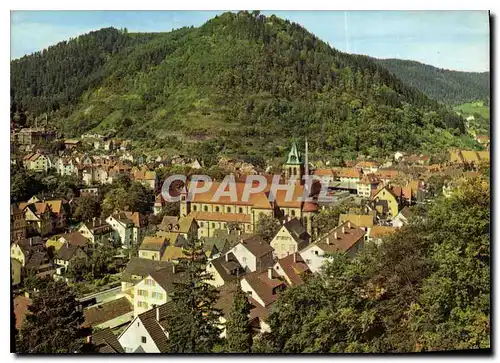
[292,213]
[316,252]
[143,340]
[308,262]
[213,225]
[157,295]
[150,282]
[201,224]
[194,208]
[228,210]
[240,210]
[205,208]
[142,304]
[244,260]
[217,209]
[142,293]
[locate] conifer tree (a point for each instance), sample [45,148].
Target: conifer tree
[194,324]
[53,323]
[238,331]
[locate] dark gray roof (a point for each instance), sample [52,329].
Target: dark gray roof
[296,229]
[157,327]
[104,312]
[66,252]
[166,277]
[142,267]
[106,342]
[257,246]
[229,269]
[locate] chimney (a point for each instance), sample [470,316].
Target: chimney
[93,222]
[173,268]
[328,239]
[158,313]
[335,236]
[294,257]
[89,339]
[270,273]
[349,225]
[227,257]
[343,229]
[31,241]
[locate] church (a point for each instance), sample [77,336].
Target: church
[221,214]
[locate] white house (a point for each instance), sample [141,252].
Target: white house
[123,227]
[291,237]
[402,217]
[147,332]
[253,254]
[346,238]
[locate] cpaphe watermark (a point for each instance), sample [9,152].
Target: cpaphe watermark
[312,189]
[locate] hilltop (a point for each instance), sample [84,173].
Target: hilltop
[241,84]
[450,87]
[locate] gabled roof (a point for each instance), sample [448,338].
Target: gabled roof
[75,239]
[152,243]
[104,312]
[296,230]
[156,327]
[257,246]
[67,251]
[55,205]
[137,218]
[382,231]
[265,287]
[98,226]
[227,267]
[142,267]
[106,342]
[346,238]
[167,276]
[357,219]
[293,267]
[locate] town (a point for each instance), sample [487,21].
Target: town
[106,230]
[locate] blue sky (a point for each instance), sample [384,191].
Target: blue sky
[456,40]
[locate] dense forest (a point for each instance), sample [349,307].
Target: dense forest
[241,84]
[450,87]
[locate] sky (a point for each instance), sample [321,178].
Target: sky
[457,40]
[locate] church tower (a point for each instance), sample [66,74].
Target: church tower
[294,166]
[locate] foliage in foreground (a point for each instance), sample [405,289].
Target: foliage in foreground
[426,288]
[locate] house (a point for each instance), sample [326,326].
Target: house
[67,166]
[183,225]
[367,183]
[224,269]
[147,333]
[73,238]
[264,287]
[378,233]
[59,215]
[67,254]
[290,238]
[139,226]
[348,176]
[402,217]
[292,268]
[22,249]
[71,143]
[367,167]
[137,269]
[258,317]
[40,263]
[38,218]
[37,162]
[221,242]
[346,238]
[386,202]
[147,178]
[17,223]
[152,247]
[386,175]
[253,254]
[158,205]
[111,314]
[97,231]
[155,288]
[15,271]
[106,342]
[326,176]
[123,227]
[365,222]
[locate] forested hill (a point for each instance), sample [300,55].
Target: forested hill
[240,84]
[451,87]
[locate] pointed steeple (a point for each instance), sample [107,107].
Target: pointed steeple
[294,156]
